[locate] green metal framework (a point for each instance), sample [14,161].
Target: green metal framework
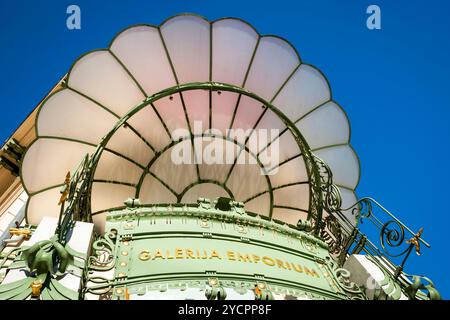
[341,236]
[315,205]
[316,200]
[134,224]
[325,217]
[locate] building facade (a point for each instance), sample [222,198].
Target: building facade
[194,160]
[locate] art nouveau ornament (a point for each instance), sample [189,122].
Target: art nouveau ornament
[285,96]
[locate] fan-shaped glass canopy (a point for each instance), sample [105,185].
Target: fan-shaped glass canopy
[160,92]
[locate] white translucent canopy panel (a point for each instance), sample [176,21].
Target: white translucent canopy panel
[233,44]
[153,191]
[204,190]
[211,168]
[293,171]
[344,164]
[172,113]
[178,173]
[325,126]
[259,205]
[288,147]
[273,149]
[151,128]
[129,144]
[304,91]
[295,196]
[105,196]
[188,41]
[112,167]
[99,76]
[142,52]
[70,115]
[109,195]
[270,126]
[289,216]
[247,114]
[43,204]
[198,109]
[348,199]
[246,180]
[48,160]
[274,62]
[223,106]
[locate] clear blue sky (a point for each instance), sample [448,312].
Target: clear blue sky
[393,83]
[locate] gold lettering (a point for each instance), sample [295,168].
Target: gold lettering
[230,255]
[244,258]
[189,254]
[158,254]
[268,261]
[214,254]
[280,264]
[168,256]
[144,255]
[297,268]
[179,253]
[311,272]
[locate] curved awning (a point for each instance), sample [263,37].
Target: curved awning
[103,86]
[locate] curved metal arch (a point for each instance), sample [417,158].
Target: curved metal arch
[205,181]
[311,166]
[211,23]
[199,180]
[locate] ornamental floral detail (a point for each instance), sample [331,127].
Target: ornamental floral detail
[349,287]
[423,284]
[104,257]
[332,234]
[329,201]
[46,261]
[215,291]
[342,279]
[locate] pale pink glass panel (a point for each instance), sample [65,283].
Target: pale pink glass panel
[233,44]
[274,61]
[187,40]
[47,162]
[142,52]
[99,76]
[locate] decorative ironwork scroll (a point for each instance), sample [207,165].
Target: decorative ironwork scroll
[422,283]
[325,214]
[331,228]
[104,257]
[396,240]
